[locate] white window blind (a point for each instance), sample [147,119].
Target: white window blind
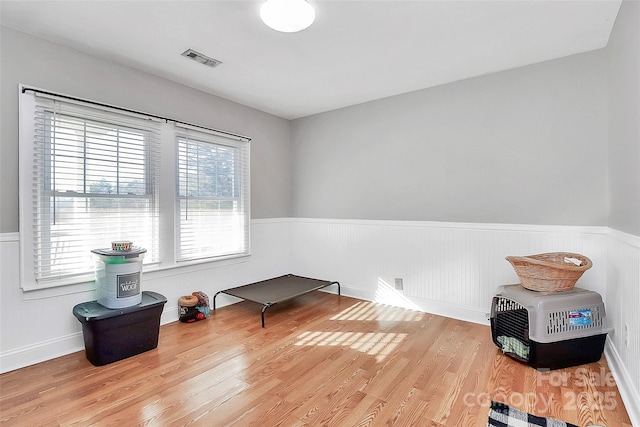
[213,195]
[95,179]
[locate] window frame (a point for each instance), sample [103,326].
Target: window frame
[167,196]
[241,187]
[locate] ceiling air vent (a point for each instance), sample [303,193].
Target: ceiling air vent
[203,59]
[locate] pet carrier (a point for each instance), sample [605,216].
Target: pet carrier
[549,330]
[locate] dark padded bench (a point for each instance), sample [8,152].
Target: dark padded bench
[273,291]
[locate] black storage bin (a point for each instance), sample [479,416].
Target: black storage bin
[549,330]
[115,334]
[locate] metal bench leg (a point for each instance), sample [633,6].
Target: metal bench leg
[214,299]
[263,310]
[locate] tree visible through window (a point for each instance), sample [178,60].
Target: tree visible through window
[90,174]
[94,183]
[211,193]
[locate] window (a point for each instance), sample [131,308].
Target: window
[89,175]
[212,196]
[94,180]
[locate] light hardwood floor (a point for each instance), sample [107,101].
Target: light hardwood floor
[321,360]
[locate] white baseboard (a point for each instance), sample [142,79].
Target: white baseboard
[628,392]
[169,315]
[47,350]
[51,349]
[427,306]
[43,351]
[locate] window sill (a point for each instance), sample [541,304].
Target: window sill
[87,284]
[157,271]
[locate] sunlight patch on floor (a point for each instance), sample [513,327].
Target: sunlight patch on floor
[379,344]
[371,311]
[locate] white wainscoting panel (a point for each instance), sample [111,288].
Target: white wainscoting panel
[623,309]
[450,269]
[453,270]
[37,326]
[32,330]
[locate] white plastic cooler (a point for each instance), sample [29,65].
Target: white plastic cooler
[118,277]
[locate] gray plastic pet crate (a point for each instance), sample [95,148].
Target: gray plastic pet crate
[549,330]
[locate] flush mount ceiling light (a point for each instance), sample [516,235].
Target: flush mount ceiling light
[287,16]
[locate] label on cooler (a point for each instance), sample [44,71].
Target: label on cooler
[119,285]
[128,284]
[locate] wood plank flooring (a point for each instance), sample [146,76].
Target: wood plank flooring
[322,360]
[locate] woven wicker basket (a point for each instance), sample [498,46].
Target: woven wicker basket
[549,272]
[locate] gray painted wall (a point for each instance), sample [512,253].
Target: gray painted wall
[624,120]
[39,63]
[522,146]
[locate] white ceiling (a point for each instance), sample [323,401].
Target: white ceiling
[356,51]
